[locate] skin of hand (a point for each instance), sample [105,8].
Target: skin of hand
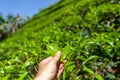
[50,68]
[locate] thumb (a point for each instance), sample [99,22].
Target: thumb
[57,57]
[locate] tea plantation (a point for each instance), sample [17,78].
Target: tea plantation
[87,32]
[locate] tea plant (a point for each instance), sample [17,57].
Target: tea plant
[85,31]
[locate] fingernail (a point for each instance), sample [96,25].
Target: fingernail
[58,52]
[65,61]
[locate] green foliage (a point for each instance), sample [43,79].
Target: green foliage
[1,20]
[85,31]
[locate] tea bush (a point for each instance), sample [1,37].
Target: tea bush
[85,31]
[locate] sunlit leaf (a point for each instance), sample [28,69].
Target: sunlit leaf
[66,52]
[88,70]
[27,63]
[52,48]
[90,58]
[98,77]
[22,76]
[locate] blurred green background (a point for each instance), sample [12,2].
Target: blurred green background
[87,32]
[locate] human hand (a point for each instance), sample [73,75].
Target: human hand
[50,68]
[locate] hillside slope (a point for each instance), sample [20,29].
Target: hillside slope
[86,31]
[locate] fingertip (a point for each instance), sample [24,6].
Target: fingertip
[58,54]
[57,57]
[65,61]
